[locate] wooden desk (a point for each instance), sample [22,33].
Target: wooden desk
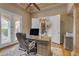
[43,45]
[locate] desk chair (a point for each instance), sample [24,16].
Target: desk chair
[24,43]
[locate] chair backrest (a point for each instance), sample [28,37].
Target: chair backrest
[32,45]
[20,38]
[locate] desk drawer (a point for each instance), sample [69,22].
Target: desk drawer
[42,50]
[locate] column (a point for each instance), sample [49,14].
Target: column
[76,29]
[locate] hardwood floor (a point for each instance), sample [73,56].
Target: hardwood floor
[65,52]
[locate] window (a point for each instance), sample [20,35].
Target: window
[10,24]
[5,29]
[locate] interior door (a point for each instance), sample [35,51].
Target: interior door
[54,30]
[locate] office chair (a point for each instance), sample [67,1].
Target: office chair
[25,45]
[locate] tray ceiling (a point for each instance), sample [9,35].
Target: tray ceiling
[42,6]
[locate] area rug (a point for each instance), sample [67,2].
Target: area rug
[13,52]
[56,51]
[16,52]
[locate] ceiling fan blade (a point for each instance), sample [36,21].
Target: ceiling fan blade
[36,6]
[28,5]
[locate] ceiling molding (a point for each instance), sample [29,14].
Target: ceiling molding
[22,5]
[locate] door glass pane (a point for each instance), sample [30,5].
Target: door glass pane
[5,29]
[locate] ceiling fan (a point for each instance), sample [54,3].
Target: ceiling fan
[33,4]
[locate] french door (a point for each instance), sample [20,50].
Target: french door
[5,29]
[10,24]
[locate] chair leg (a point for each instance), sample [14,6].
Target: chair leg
[28,52]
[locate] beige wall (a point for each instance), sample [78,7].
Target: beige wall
[66,24]
[66,20]
[15,9]
[76,29]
